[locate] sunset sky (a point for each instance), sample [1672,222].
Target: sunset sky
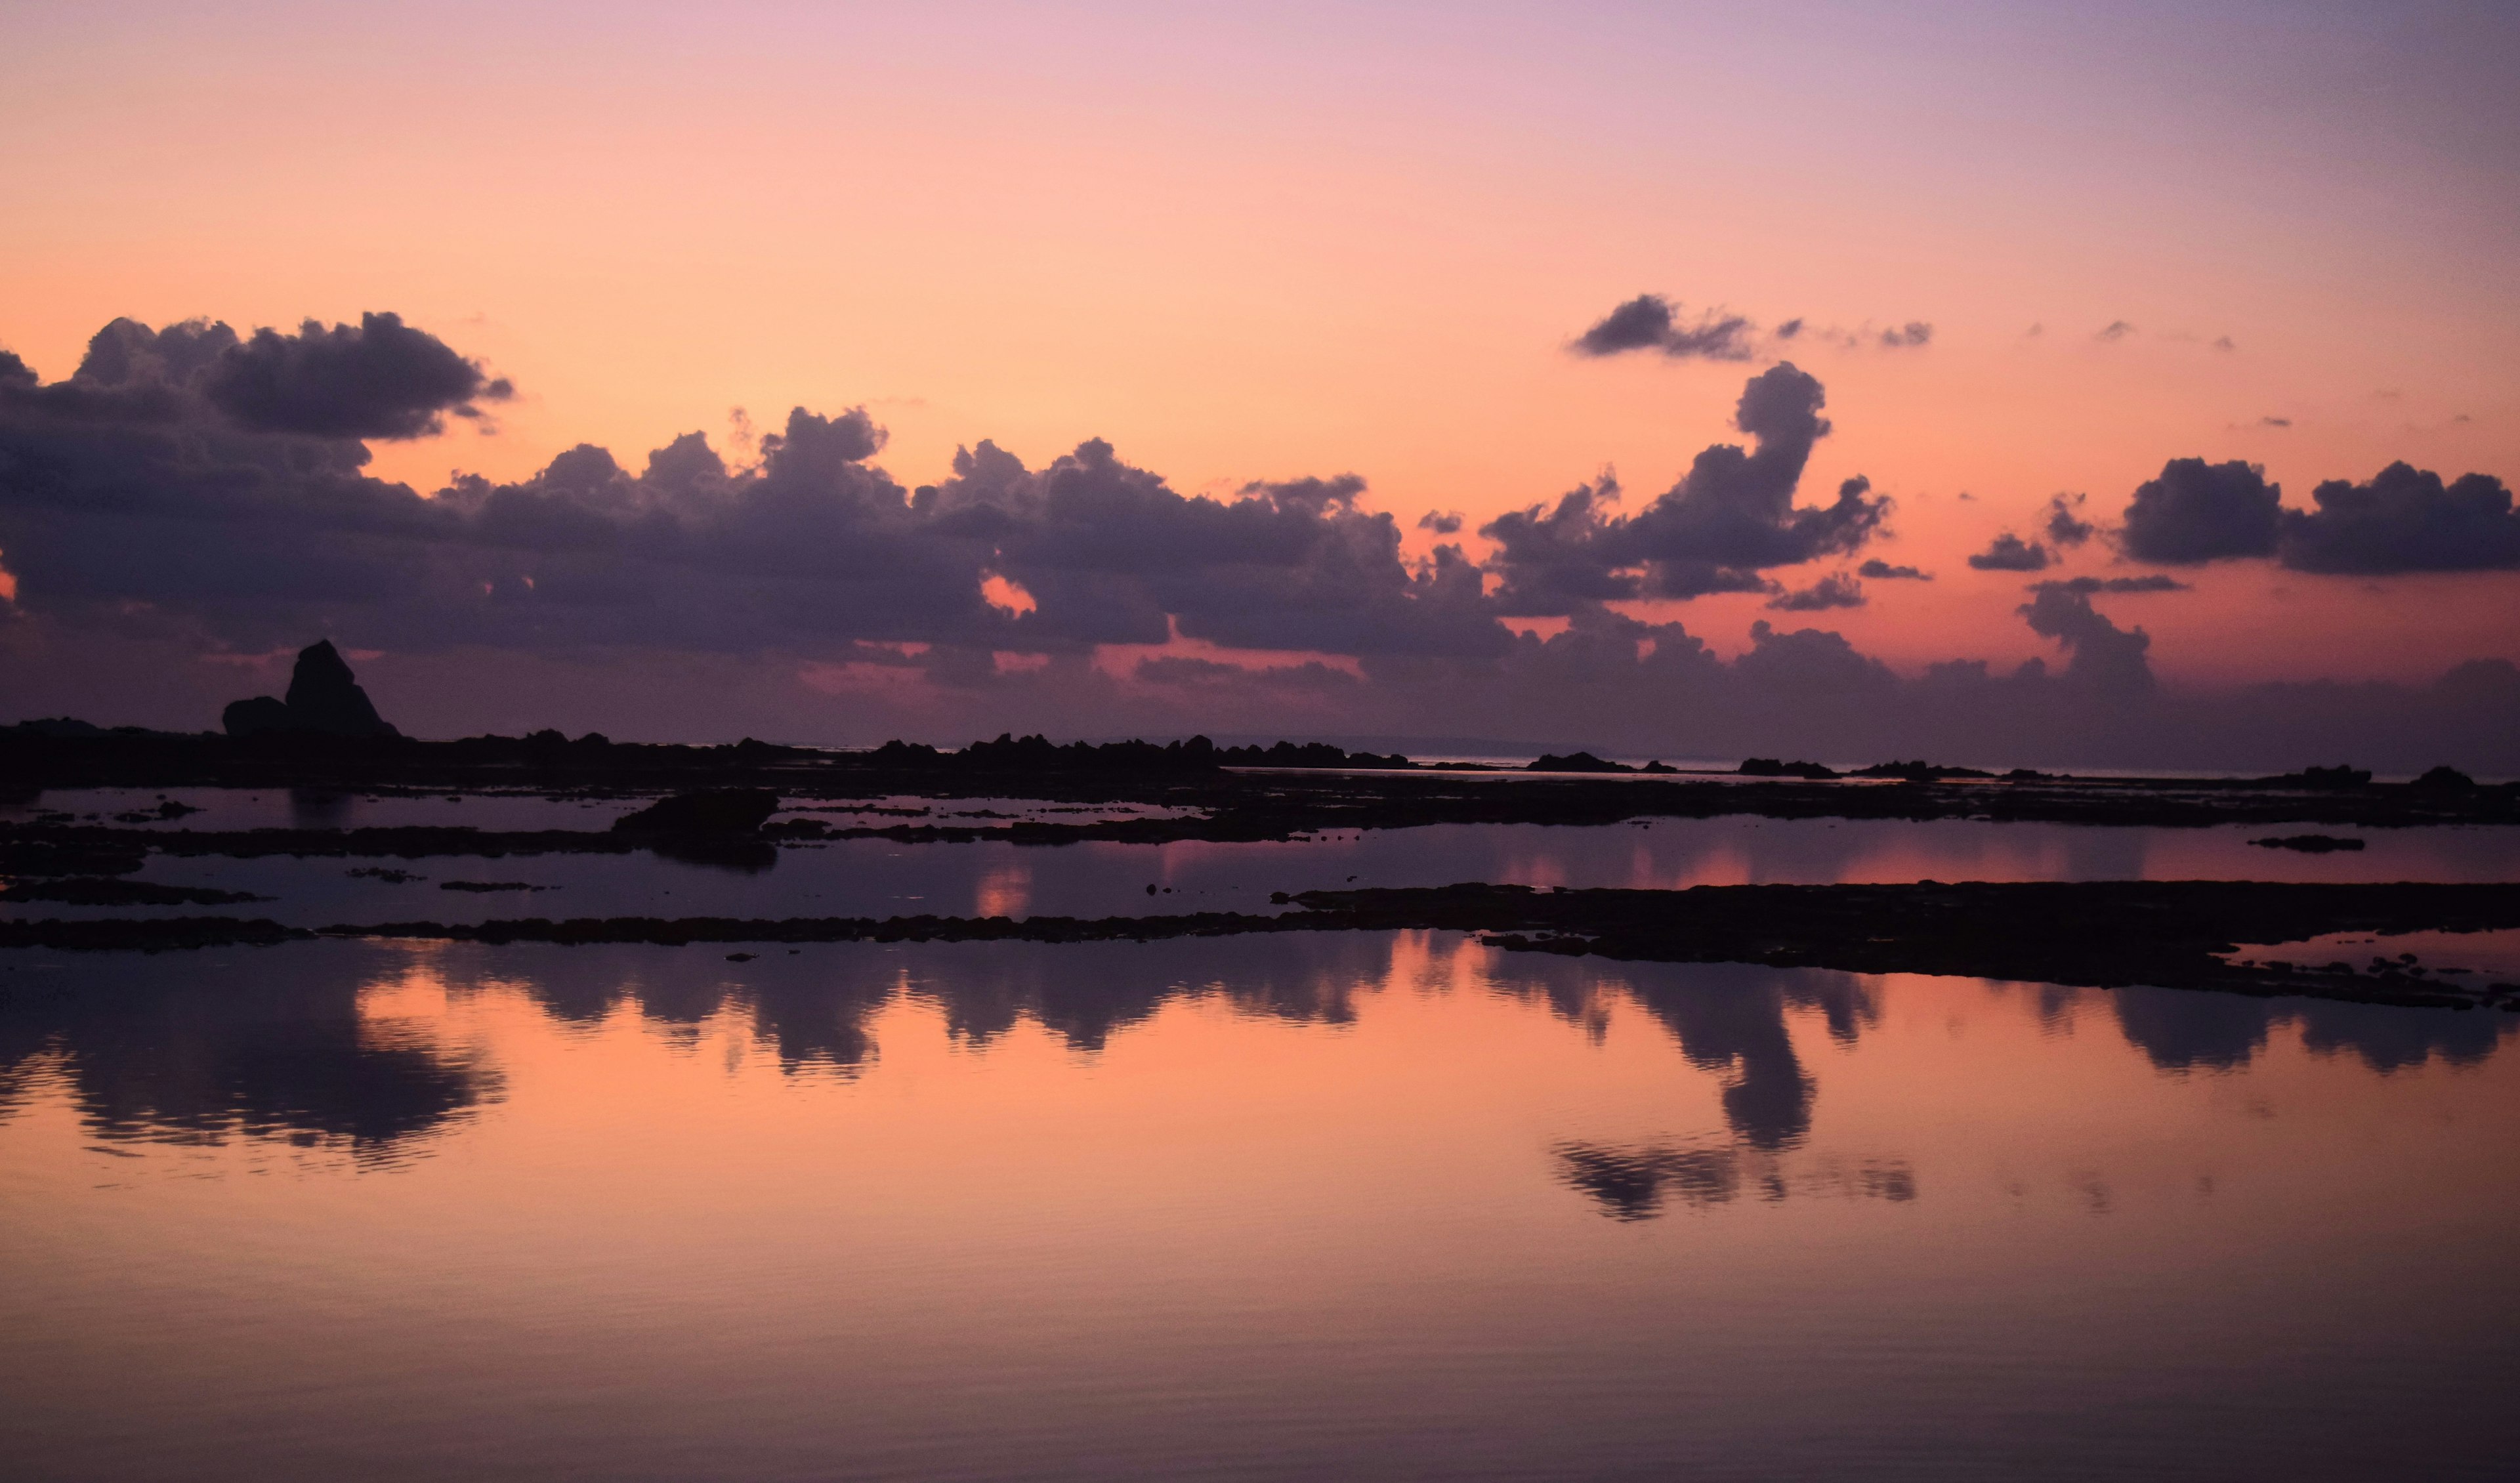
[1249,244]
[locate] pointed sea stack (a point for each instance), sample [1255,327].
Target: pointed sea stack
[324,699]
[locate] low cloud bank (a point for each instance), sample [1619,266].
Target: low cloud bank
[192,498]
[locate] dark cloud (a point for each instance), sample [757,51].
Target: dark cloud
[1880,570]
[1789,329]
[2107,658]
[2274,422]
[1717,336]
[1836,590]
[2114,329]
[1637,325]
[1186,670]
[378,379]
[1442,523]
[2197,512]
[806,593]
[2010,553]
[2087,586]
[1731,517]
[2065,527]
[1909,335]
[1652,322]
[2405,519]
[129,497]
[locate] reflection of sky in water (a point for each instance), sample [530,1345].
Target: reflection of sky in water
[880,877]
[1320,1204]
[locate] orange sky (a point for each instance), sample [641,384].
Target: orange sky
[1336,241]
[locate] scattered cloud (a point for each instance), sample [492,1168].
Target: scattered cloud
[1836,590]
[378,379]
[2405,519]
[1913,335]
[2064,526]
[2088,586]
[1880,570]
[1442,523]
[2109,659]
[2010,553]
[1652,322]
[2197,512]
[2114,329]
[1729,519]
[2274,422]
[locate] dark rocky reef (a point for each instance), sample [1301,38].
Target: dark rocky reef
[2169,934]
[1920,771]
[2308,844]
[1770,767]
[2109,934]
[1036,754]
[106,890]
[324,700]
[1586,762]
[711,811]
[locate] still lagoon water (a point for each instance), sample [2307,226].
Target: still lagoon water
[1300,1207]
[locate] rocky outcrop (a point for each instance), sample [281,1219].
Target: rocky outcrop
[324,699]
[717,811]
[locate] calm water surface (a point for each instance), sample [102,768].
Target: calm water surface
[881,878]
[1335,1206]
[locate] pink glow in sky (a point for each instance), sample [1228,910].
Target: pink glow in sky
[1251,246]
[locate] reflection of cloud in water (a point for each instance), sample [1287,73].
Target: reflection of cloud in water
[1633,1182]
[1729,1019]
[2185,1030]
[263,1046]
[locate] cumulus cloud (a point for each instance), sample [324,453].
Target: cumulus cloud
[800,590]
[1651,322]
[1729,519]
[1836,590]
[1441,522]
[378,379]
[2086,586]
[2405,519]
[2197,512]
[132,495]
[2109,659]
[1189,671]
[2065,527]
[2010,553]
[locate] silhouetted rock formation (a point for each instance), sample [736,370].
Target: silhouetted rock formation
[1037,754]
[1770,767]
[1574,762]
[712,811]
[324,699]
[2341,775]
[1918,771]
[2310,845]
